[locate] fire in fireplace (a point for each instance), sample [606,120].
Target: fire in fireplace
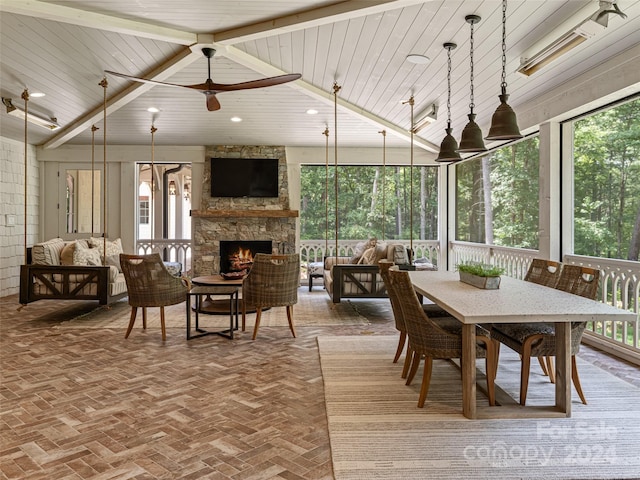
[237,255]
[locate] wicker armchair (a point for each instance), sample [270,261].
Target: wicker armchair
[272,282]
[434,339]
[149,284]
[538,339]
[430,309]
[547,273]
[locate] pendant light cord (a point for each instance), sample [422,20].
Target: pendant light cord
[471,104]
[449,86]
[503,83]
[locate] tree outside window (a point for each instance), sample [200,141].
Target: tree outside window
[497,197]
[372,202]
[606,149]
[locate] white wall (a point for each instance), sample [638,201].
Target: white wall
[12,204]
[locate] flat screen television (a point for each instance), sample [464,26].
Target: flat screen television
[244,177]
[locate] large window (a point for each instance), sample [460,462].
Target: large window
[497,197]
[607,183]
[372,202]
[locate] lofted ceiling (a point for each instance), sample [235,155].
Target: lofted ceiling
[63,47]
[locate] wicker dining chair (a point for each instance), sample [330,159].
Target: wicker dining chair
[547,273]
[272,282]
[150,284]
[431,309]
[538,339]
[439,339]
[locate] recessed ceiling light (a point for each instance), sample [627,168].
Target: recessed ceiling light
[312,111]
[236,119]
[36,94]
[153,110]
[417,58]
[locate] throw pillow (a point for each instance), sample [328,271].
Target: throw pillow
[114,261]
[86,256]
[368,257]
[400,256]
[361,248]
[66,255]
[381,252]
[113,248]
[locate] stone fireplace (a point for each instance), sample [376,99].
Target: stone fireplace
[241,219]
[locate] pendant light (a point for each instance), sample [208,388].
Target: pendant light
[504,125]
[471,140]
[449,144]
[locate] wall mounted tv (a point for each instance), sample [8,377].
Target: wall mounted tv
[244,177]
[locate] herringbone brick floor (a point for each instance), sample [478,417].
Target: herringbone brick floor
[87,404]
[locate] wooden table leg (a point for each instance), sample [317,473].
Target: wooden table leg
[468,364]
[563,367]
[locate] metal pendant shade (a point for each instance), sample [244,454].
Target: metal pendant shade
[471,140]
[448,149]
[449,146]
[504,125]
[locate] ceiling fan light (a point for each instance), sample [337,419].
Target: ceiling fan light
[504,124]
[448,149]
[471,139]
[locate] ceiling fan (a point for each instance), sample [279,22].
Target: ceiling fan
[210,89]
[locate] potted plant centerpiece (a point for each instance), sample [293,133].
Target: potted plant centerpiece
[480,275]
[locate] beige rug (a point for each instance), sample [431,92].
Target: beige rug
[312,309]
[377,431]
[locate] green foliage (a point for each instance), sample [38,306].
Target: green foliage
[511,217]
[480,269]
[363,191]
[606,182]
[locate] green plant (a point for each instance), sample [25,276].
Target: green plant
[480,269]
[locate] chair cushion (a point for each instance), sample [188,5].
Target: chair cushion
[315,268]
[521,331]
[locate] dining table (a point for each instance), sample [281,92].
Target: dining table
[515,301]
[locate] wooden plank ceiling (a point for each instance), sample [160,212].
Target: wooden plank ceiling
[61,48]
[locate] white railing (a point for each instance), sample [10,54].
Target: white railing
[515,261]
[620,286]
[316,250]
[171,250]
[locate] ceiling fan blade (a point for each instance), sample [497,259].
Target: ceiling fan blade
[144,80]
[260,83]
[212,102]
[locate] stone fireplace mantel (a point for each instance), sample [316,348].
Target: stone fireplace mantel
[222,219]
[244,213]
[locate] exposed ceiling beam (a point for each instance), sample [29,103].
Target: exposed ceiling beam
[309,18]
[84,18]
[186,57]
[267,69]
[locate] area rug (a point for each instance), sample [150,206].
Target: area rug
[377,431]
[312,309]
